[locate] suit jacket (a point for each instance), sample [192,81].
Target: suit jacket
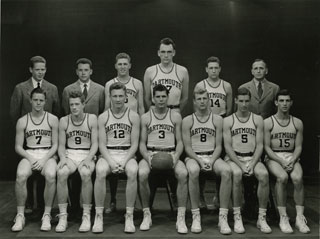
[263,106]
[94,103]
[20,99]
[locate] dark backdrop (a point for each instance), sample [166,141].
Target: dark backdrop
[284,33]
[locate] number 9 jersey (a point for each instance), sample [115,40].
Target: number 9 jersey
[78,135]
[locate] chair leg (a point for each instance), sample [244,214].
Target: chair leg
[169,195]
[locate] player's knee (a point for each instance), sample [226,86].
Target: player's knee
[182,175]
[63,174]
[282,179]
[194,172]
[296,179]
[22,176]
[85,174]
[143,175]
[226,173]
[263,176]
[237,176]
[101,172]
[50,176]
[132,173]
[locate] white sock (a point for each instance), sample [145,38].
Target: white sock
[262,211]
[181,210]
[86,208]
[99,210]
[236,210]
[195,211]
[282,211]
[63,207]
[300,210]
[47,210]
[20,209]
[223,211]
[129,210]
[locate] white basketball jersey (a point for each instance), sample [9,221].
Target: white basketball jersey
[171,81]
[217,96]
[161,132]
[118,129]
[38,135]
[243,135]
[132,94]
[203,134]
[78,134]
[283,136]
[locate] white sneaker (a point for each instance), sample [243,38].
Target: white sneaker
[181,224]
[63,223]
[301,224]
[285,225]
[128,225]
[19,222]
[223,225]
[238,224]
[146,222]
[196,223]
[98,223]
[86,223]
[46,225]
[263,225]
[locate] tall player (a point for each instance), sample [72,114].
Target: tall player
[38,130]
[169,74]
[283,136]
[161,132]
[243,140]
[119,129]
[202,137]
[134,101]
[78,144]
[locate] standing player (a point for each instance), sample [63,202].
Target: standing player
[202,137]
[169,74]
[38,130]
[119,129]
[78,144]
[134,101]
[283,136]
[243,140]
[161,132]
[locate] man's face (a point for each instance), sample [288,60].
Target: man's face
[166,53]
[160,99]
[213,69]
[38,101]
[38,71]
[283,103]
[123,66]
[242,102]
[259,70]
[118,98]
[76,106]
[201,101]
[84,72]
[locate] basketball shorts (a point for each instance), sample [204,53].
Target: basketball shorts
[77,155]
[39,153]
[284,155]
[245,160]
[118,155]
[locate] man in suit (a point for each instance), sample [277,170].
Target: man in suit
[263,92]
[20,105]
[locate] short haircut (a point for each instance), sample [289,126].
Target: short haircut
[213,59]
[123,55]
[77,94]
[258,59]
[243,91]
[38,90]
[117,86]
[84,61]
[167,41]
[159,87]
[37,59]
[284,92]
[199,91]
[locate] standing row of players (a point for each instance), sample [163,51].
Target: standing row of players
[173,76]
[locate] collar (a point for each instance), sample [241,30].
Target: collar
[82,84]
[256,82]
[35,83]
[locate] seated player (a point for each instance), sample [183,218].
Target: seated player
[78,144]
[119,129]
[38,130]
[243,140]
[161,132]
[283,136]
[202,137]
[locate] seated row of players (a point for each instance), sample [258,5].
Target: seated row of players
[160,132]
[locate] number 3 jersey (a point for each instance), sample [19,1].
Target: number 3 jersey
[161,132]
[203,134]
[243,135]
[38,135]
[118,129]
[78,134]
[283,136]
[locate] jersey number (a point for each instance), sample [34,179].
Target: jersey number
[126,101]
[284,143]
[216,103]
[203,137]
[38,138]
[77,140]
[169,87]
[119,134]
[244,138]
[162,134]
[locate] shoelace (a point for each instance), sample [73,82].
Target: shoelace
[237,217]
[46,214]
[303,219]
[146,214]
[128,216]
[196,216]
[99,216]
[285,218]
[61,215]
[18,215]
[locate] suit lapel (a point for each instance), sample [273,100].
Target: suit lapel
[29,87]
[253,90]
[92,91]
[267,89]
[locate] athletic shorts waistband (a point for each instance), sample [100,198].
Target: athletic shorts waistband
[244,154]
[204,153]
[283,151]
[153,149]
[39,148]
[118,147]
[79,148]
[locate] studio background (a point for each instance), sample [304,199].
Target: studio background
[284,33]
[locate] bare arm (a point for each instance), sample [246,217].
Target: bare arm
[19,140]
[140,98]
[143,137]
[228,89]
[259,140]
[107,96]
[218,121]
[299,139]
[54,122]
[62,139]
[147,87]
[185,88]
[176,118]
[94,137]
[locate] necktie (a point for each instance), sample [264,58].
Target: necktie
[85,91]
[260,91]
[38,85]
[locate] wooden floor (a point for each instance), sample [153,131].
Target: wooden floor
[163,220]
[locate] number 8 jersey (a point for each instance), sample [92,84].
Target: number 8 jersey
[78,135]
